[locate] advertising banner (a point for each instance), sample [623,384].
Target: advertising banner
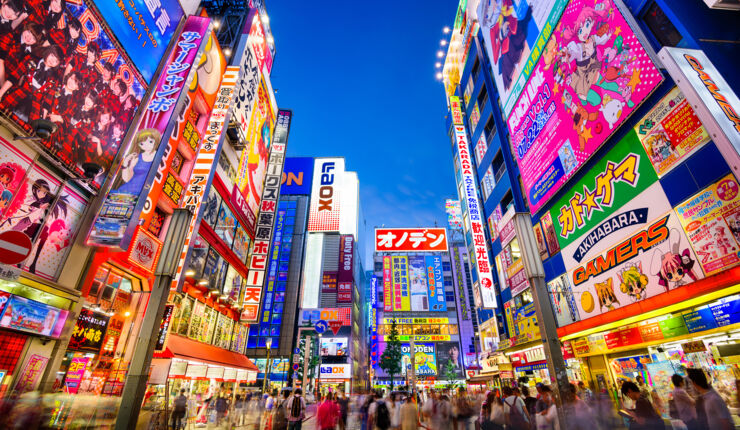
[401,296]
[623,173]
[335,371]
[334,346]
[346,276]
[475,218]
[454,214]
[325,207]
[154,25]
[410,239]
[425,361]
[592,75]
[29,316]
[311,316]
[515,32]
[387,285]
[711,219]
[449,359]
[89,331]
[118,216]
[563,302]
[431,321]
[329,282]
[29,376]
[671,132]
[418,284]
[74,375]
[629,265]
[297,176]
[91,103]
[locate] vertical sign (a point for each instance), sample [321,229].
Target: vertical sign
[401,295]
[266,218]
[475,225]
[325,196]
[345,278]
[205,159]
[437,301]
[119,214]
[387,290]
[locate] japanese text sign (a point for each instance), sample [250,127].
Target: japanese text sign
[75,372]
[410,239]
[325,210]
[591,76]
[29,376]
[387,285]
[89,331]
[401,294]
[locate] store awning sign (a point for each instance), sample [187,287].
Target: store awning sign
[712,98]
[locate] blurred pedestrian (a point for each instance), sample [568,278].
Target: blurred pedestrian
[682,405]
[394,408]
[578,414]
[443,415]
[515,411]
[296,409]
[179,410]
[546,415]
[492,413]
[712,412]
[644,391]
[343,403]
[409,415]
[222,408]
[530,403]
[585,393]
[644,416]
[280,415]
[463,410]
[327,413]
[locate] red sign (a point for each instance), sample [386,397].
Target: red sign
[410,239]
[144,252]
[14,247]
[335,326]
[623,337]
[242,210]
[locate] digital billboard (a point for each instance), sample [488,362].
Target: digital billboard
[449,359]
[345,277]
[146,40]
[454,214]
[333,346]
[425,361]
[324,213]
[401,296]
[297,176]
[410,239]
[435,281]
[65,67]
[119,213]
[418,284]
[593,73]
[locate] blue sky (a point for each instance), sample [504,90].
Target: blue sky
[361,83]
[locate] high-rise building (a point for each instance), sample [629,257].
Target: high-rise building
[596,165]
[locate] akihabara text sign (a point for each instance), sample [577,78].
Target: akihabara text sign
[591,76]
[266,218]
[119,214]
[474,220]
[410,239]
[325,199]
[202,176]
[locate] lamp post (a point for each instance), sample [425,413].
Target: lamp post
[268,342]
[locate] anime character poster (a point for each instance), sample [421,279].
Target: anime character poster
[61,64]
[563,302]
[425,360]
[647,255]
[670,132]
[540,238]
[592,75]
[550,236]
[511,29]
[711,220]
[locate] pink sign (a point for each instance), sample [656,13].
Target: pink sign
[29,376]
[75,373]
[592,75]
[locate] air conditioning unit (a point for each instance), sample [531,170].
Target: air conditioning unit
[723,4]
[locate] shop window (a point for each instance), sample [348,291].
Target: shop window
[211,207]
[476,69]
[661,26]
[226,225]
[490,129]
[482,97]
[155,225]
[11,346]
[177,161]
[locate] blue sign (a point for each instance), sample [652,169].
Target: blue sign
[297,176]
[321,326]
[726,312]
[143,27]
[699,320]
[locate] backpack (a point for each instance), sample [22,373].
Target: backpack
[516,419]
[280,421]
[382,416]
[181,404]
[296,408]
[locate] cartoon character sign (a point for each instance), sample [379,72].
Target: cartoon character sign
[592,75]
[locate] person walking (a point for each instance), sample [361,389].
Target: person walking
[296,409]
[644,416]
[712,412]
[546,415]
[326,414]
[179,410]
[222,408]
[343,403]
[280,416]
[492,413]
[585,393]
[463,410]
[530,403]
[443,416]
[579,415]
[515,411]
[379,414]
[409,415]
[685,405]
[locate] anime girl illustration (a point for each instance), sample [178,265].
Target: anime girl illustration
[660,147]
[30,215]
[55,233]
[723,242]
[673,266]
[633,281]
[567,157]
[606,295]
[508,29]
[136,165]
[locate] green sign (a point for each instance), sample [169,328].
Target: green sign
[623,173]
[673,326]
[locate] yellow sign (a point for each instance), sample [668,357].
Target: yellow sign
[457,118]
[389,321]
[422,337]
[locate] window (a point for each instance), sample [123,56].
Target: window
[475,70]
[446,266]
[490,129]
[482,96]
[661,26]
[507,200]
[449,296]
[468,90]
[378,266]
[488,183]
[480,149]
[498,167]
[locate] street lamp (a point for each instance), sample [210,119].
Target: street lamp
[268,342]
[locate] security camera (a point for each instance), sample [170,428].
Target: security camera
[91,170]
[43,128]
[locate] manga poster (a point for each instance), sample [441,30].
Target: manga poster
[540,238]
[513,30]
[563,302]
[593,73]
[671,132]
[711,220]
[425,361]
[61,64]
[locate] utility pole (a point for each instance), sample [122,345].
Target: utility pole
[138,374]
[543,307]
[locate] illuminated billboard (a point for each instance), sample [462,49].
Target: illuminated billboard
[66,67]
[475,218]
[401,294]
[410,239]
[572,103]
[324,213]
[297,176]
[454,213]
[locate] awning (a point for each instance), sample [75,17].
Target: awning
[186,349]
[477,379]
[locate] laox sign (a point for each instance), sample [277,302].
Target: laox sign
[326,192]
